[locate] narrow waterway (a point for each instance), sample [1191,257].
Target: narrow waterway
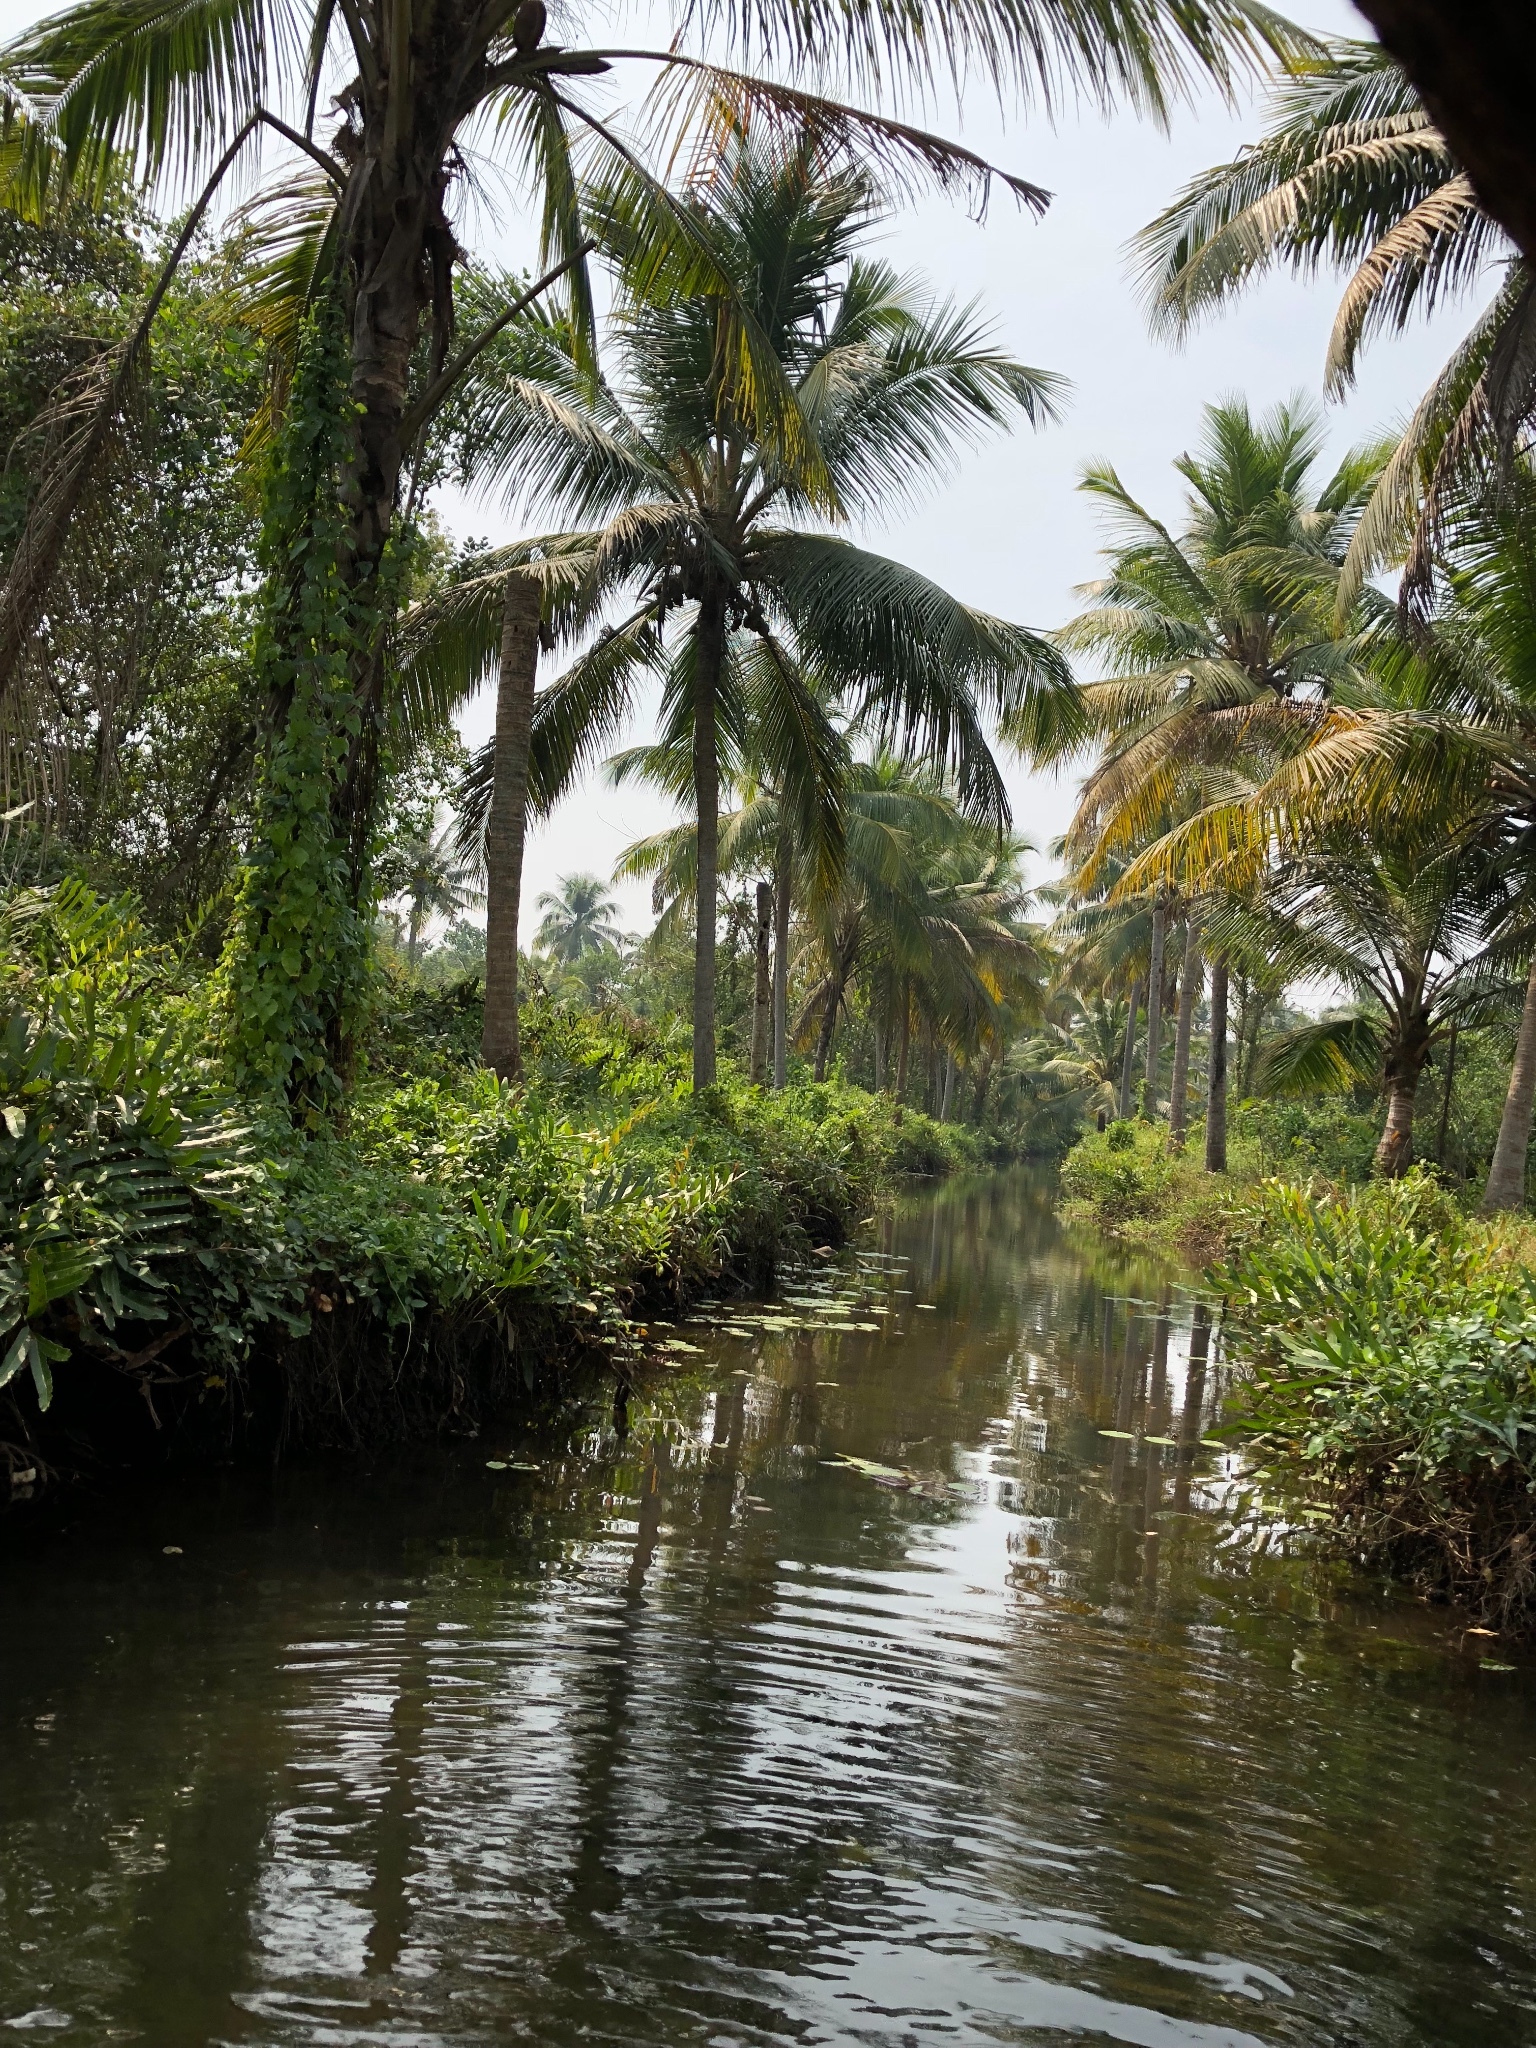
[708,1736]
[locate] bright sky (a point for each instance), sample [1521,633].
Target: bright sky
[1010,533]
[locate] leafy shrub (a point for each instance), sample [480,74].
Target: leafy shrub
[1390,1354]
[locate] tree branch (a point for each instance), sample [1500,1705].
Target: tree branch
[426,406]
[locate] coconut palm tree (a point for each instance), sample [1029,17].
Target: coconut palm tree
[373,211]
[359,235]
[435,881]
[714,510]
[578,919]
[1351,172]
[1220,639]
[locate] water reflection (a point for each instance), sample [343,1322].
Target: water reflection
[696,1735]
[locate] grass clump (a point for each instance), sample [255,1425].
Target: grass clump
[1130,1181]
[1388,1348]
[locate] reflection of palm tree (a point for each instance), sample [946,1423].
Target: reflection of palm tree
[578,920]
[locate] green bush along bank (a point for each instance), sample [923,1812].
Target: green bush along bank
[1387,1346]
[178,1260]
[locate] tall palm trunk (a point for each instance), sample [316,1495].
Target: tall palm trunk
[781,887]
[762,984]
[903,1040]
[1506,1176]
[946,1100]
[708,660]
[1216,1090]
[983,1083]
[1128,1062]
[507,827]
[1189,986]
[1155,1005]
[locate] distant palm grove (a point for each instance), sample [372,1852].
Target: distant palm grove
[261,906]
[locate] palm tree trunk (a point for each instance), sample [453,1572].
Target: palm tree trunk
[781,962]
[983,1083]
[1445,1099]
[1506,1176]
[947,1099]
[1155,1006]
[903,1041]
[1128,1062]
[843,957]
[1189,985]
[762,985]
[506,829]
[1216,1090]
[412,938]
[1394,1154]
[708,659]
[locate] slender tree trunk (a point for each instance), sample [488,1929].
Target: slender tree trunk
[946,1100]
[762,991]
[1506,1176]
[1155,1006]
[1445,1099]
[903,1041]
[1394,1154]
[506,829]
[413,937]
[1128,1062]
[781,887]
[983,1083]
[878,1030]
[1216,1090]
[709,656]
[842,967]
[1189,989]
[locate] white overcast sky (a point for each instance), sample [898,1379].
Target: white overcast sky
[1010,532]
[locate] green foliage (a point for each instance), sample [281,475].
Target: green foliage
[157,1229]
[1130,1181]
[297,962]
[1389,1347]
[123,1175]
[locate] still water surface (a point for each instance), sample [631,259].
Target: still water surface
[694,1738]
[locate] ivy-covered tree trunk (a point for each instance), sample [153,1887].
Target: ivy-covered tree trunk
[506,829]
[295,969]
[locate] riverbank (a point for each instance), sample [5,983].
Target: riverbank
[187,1271]
[1386,1352]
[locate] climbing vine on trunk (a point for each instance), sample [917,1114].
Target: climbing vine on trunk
[296,966]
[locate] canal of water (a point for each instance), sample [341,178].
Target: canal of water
[892,1681]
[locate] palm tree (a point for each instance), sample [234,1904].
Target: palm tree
[578,919]
[359,251]
[1398,921]
[708,503]
[1352,172]
[371,214]
[435,881]
[1223,646]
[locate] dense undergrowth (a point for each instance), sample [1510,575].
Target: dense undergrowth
[1384,1340]
[1388,1352]
[453,1244]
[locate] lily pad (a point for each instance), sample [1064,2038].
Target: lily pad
[495,1464]
[1124,1436]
